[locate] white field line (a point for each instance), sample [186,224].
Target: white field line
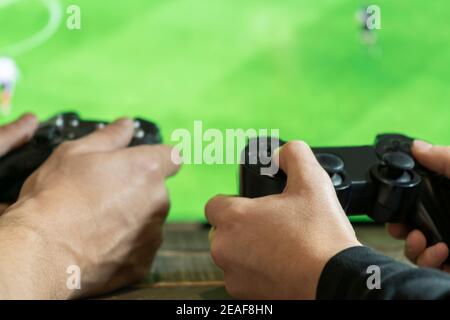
[55,12]
[5,3]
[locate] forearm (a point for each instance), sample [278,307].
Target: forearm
[345,277]
[19,273]
[27,270]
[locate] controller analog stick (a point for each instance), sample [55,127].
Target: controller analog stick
[397,166]
[333,165]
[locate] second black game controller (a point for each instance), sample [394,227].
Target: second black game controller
[18,165]
[382,180]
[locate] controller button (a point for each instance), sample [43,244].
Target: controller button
[337,179]
[101,125]
[331,163]
[74,123]
[404,178]
[140,134]
[399,161]
[59,122]
[397,166]
[137,124]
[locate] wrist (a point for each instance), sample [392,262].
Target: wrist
[20,249]
[27,264]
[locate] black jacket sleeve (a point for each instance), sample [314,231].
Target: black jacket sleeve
[346,276]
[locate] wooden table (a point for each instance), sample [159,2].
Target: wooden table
[183,268]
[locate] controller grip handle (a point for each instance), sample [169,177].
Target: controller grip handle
[432,216]
[16,167]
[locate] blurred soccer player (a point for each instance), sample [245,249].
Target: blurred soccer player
[368,35]
[8,77]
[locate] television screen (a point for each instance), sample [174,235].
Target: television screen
[314,70]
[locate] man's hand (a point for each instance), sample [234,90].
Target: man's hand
[94,204]
[276,247]
[437,159]
[14,135]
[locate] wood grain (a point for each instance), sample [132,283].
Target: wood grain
[183,268]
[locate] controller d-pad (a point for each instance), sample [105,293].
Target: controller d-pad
[333,165]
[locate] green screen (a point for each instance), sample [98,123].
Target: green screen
[296,65]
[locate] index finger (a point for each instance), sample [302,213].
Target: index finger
[114,136]
[398,230]
[435,158]
[18,132]
[161,158]
[221,207]
[299,163]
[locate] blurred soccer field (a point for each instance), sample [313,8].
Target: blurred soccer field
[296,65]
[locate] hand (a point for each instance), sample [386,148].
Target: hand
[14,135]
[276,247]
[94,204]
[436,159]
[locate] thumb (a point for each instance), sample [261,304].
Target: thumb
[435,158]
[16,133]
[297,160]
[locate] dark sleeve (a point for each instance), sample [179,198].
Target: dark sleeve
[346,276]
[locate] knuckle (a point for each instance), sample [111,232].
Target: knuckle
[153,168]
[149,167]
[295,146]
[114,136]
[153,174]
[217,254]
[67,148]
[236,207]
[289,148]
[210,205]
[224,206]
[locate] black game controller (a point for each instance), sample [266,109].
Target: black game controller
[18,165]
[383,181]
